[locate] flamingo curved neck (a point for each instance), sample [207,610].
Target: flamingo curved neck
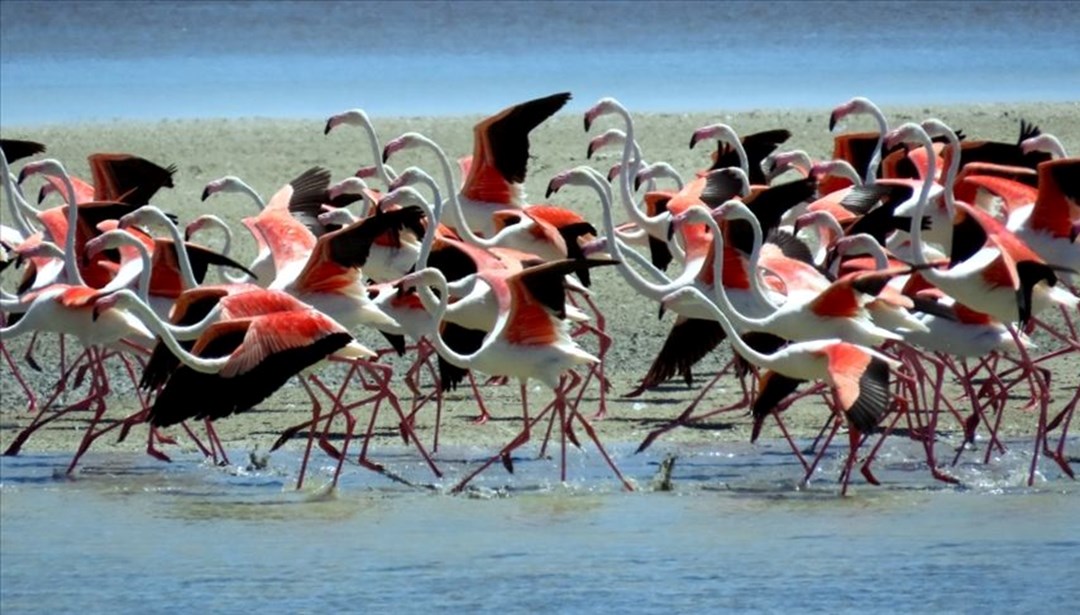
[240,186]
[632,277]
[920,208]
[386,174]
[71,267]
[187,275]
[655,225]
[433,277]
[127,300]
[868,245]
[875,158]
[143,275]
[740,211]
[16,202]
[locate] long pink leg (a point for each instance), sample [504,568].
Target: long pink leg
[17,373]
[686,416]
[39,419]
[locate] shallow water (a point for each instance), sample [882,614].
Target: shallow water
[65,61]
[735,533]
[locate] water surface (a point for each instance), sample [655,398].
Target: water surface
[736,533]
[63,61]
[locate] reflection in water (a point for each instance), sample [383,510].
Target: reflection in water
[734,533]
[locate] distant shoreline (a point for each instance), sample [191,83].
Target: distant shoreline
[575,106]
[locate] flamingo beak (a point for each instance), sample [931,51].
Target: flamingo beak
[206,193]
[834,117]
[330,123]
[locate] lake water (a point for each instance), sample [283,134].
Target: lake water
[64,61]
[134,534]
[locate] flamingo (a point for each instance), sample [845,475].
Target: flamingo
[237,363]
[357,117]
[529,341]
[68,309]
[859,375]
[1004,278]
[500,154]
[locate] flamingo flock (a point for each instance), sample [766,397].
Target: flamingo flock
[914,262]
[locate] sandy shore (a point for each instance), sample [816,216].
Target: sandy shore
[267,154]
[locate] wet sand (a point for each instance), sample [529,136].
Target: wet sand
[268,153]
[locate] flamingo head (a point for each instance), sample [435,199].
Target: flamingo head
[405,141]
[48,166]
[46,190]
[577,176]
[229,183]
[604,106]
[856,105]
[778,163]
[144,216]
[810,218]
[648,173]
[106,241]
[906,133]
[722,132]
[936,128]
[835,168]
[611,136]
[37,249]
[202,222]
[367,172]
[681,299]
[400,196]
[349,185]
[337,217]
[111,301]
[1044,142]
[409,177]
[352,117]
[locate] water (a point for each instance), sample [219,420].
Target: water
[83,61]
[134,534]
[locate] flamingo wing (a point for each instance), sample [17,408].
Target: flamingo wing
[309,186]
[689,341]
[189,309]
[861,381]
[501,148]
[757,146]
[128,178]
[772,389]
[351,246]
[17,149]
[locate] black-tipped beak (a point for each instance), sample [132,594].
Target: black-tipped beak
[590,151]
[386,155]
[637,182]
[832,121]
[94,314]
[205,193]
[329,125]
[22,176]
[588,123]
[550,190]
[693,140]
[612,173]
[40,195]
